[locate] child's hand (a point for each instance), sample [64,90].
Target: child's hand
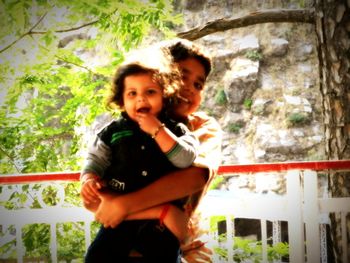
[177,222]
[89,189]
[148,122]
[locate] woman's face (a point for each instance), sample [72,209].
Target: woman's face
[193,77]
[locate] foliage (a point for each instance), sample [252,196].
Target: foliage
[216,182]
[57,58]
[246,250]
[220,97]
[37,243]
[214,220]
[71,241]
[234,127]
[250,249]
[297,118]
[248,103]
[254,55]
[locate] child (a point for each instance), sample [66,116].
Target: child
[195,65]
[132,152]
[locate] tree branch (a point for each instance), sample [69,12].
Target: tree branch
[24,34]
[257,17]
[32,32]
[70,62]
[12,160]
[66,30]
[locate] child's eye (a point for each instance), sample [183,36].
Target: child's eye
[131,93]
[151,91]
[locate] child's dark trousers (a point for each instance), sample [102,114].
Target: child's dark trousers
[156,243]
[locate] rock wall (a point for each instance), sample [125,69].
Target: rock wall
[264,89]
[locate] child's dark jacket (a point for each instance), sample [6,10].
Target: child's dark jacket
[128,159]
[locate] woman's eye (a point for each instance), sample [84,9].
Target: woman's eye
[131,93]
[198,86]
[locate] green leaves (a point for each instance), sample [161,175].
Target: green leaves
[56,62]
[57,59]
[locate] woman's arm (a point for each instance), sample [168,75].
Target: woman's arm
[114,209]
[174,219]
[175,185]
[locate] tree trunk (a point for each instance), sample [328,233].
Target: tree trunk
[333,31]
[332,21]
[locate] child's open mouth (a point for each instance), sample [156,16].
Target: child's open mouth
[143,110]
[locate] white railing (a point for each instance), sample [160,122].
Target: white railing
[301,207]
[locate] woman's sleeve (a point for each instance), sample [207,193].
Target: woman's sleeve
[209,134]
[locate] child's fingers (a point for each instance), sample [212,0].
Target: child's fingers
[89,191]
[88,197]
[93,186]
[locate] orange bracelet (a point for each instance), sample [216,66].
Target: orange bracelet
[163,214]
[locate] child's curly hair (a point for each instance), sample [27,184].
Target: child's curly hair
[156,61]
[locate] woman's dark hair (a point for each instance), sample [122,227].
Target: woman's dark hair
[181,49]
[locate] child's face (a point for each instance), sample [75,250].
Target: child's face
[142,94]
[193,77]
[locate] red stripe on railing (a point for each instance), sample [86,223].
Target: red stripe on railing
[276,167]
[223,169]
[39,177]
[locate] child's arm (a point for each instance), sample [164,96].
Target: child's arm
[181,151]
[96,162]
[91,184]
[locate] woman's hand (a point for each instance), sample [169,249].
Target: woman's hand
[111,211]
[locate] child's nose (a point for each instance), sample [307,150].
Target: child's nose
[141,98]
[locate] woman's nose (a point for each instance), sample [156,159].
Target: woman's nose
[189,88]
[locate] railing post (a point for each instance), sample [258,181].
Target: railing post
[276,236]
[87,229]
[53,242]
[19,244]
[264,239]
[311,214]
[295,218]
[229,235]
